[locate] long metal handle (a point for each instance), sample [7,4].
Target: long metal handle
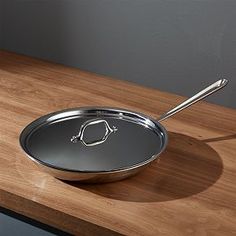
[199,96]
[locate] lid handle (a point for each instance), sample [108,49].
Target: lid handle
[80,136]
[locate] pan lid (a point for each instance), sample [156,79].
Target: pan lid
[93,140]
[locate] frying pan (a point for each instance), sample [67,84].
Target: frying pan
[99,144]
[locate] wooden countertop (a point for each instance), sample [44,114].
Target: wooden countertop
[190,191]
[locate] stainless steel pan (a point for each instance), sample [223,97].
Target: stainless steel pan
[99,144]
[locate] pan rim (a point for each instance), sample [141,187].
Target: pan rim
[45,118]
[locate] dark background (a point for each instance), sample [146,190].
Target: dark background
[178,46]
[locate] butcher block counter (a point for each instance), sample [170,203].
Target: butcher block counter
[191,190]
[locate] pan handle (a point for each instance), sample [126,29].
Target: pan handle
[197,97]
[80,136]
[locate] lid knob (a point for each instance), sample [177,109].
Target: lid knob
[80,135]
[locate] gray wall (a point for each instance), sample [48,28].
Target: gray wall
[1,21]
[178,46]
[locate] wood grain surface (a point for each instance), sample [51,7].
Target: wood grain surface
[190,191]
